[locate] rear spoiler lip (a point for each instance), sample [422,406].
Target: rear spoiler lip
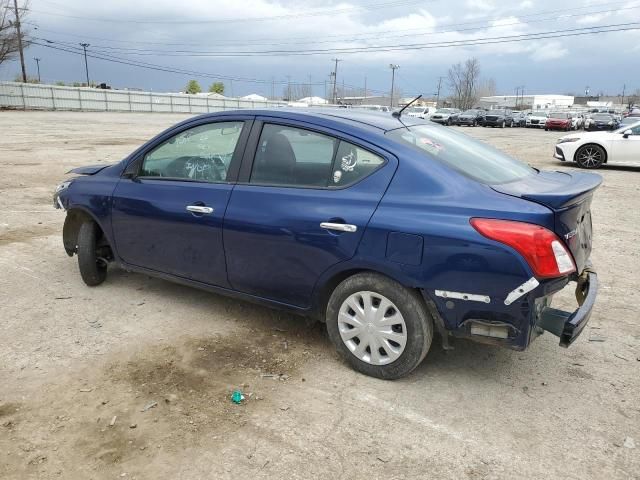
[89,169]
[557,196]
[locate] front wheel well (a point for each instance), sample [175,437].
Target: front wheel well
[75,218]
[592,144]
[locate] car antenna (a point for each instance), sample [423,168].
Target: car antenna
[399,112]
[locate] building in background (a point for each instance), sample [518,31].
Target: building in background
[527,102]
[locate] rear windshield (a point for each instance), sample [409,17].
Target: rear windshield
[471,157]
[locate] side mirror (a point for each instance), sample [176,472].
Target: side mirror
[627,133]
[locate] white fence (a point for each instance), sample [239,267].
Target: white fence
[29,96]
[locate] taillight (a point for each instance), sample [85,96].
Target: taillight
[541,248]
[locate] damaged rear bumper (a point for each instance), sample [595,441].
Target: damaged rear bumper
[569,325]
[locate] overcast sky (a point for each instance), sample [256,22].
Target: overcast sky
[159,32]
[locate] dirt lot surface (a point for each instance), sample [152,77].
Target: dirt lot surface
[133,379]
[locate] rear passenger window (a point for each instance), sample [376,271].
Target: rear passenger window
[352,164]
[289,156]
[293,157]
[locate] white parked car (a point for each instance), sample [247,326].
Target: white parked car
[420,112]
[536,119]
[374,108]
[577,120]
[593,149]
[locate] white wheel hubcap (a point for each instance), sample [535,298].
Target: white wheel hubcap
[372,328]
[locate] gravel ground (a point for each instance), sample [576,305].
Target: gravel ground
[132,379]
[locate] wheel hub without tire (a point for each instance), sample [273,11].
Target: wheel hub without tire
[372,328]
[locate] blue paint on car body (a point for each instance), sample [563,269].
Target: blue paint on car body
[411,217]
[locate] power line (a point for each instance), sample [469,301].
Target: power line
[109,58]
[375,34]
[473,42]
[411,46]
[236,20]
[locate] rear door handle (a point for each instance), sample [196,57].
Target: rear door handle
[199,209]
[340,227]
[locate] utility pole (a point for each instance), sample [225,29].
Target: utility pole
[38,66]
[365,91]
[310,87]
[273,86]
[517,96]
[86,65]
[19,33]
[438,94]
[335,78]
[624,90]
[288,88]
[393,68]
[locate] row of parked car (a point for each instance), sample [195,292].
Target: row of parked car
[554,120]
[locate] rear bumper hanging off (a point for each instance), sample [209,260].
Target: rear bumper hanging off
[569,325]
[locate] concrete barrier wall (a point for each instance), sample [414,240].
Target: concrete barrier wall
[29,96]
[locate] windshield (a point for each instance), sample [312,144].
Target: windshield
[558,115]
[416,109]
[602,117]
[470,112]
[497,112]
[444,110]
[471,157]
[539,114]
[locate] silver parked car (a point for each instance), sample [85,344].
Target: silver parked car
[443,115]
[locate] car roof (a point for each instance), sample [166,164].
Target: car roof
[336,116]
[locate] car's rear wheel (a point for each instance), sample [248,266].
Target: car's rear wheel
[379,327]
[590,156]
[93,268]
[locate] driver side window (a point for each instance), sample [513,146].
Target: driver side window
[201,153]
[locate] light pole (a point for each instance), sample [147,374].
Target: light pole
[86,65]
[393,68]
[38,67]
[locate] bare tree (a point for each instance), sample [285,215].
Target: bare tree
[296,91]
[8,34]
[487,88]
[463,80]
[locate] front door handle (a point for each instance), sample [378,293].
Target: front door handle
[340,227]
[199,209]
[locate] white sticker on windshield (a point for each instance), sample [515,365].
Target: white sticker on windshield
[337,175]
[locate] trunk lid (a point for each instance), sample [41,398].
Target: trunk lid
[568,195]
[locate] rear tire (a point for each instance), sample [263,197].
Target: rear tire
[405,318]
[93,269]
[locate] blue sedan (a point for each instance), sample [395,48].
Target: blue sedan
[387,228]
